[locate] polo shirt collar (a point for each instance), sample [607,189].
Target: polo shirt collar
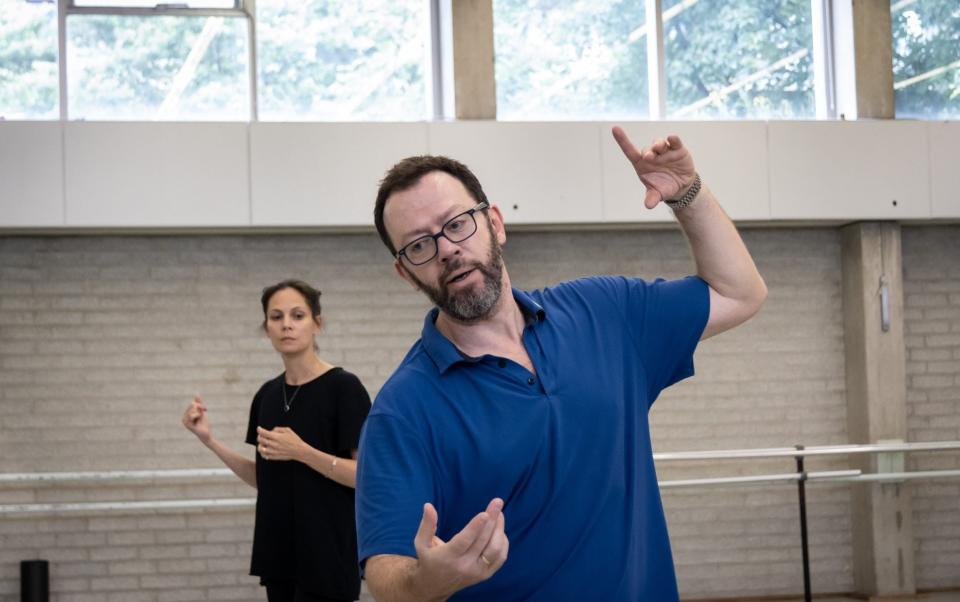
[444,354]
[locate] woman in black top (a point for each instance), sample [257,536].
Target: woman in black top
[306,426]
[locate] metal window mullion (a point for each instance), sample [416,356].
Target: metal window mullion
[435,49]
[159,11]
[447,83]
[62,56]
[824,85]
[656,77]
[249,10]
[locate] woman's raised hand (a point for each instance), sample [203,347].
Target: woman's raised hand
[195,419]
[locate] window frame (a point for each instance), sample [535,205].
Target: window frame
[242,8]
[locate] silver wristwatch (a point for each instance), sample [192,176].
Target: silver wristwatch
[686,199]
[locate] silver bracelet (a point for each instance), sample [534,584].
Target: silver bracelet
[687,198]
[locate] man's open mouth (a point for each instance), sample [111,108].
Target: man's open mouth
[460,276]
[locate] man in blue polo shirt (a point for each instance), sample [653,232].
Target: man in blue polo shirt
[508,457]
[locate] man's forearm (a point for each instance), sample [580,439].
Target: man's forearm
[721,256]
[395,579]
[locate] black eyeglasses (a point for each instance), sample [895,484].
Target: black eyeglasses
[457,229]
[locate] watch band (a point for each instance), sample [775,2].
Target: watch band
[687,198]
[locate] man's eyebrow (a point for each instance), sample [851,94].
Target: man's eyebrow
[421,232]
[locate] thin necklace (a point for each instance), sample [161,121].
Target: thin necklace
[286,404]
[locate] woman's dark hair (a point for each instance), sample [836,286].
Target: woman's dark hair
[309,293]
[405,175]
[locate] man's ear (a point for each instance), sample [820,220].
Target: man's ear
[403,273]
[496,222]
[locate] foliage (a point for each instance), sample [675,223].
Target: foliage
[713,45]
[926,36]
[29,84]
[586,59]
[560,59]
[123,67]
[341,60]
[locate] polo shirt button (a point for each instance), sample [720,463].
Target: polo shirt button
[502,363]
[531,380]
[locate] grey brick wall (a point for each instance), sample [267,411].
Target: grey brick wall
[931,274]
[104,339]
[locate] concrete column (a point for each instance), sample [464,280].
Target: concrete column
[475,89]
[876,404]
[863,48]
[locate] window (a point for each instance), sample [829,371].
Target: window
[29,79]
[157,67]
[583,59]
[926,58]
[342,60]
[751,59]
[376,60]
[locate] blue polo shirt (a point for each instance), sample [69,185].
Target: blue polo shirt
[567,448]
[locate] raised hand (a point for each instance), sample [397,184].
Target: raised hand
[195,419]
[471,556]
[665,167]
[281,443]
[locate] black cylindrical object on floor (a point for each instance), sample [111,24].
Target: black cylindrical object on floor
[34,581]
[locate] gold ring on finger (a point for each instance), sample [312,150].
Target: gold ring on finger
[485,560]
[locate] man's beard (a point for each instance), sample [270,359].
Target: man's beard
[468,305]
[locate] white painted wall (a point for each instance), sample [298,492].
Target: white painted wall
[102,174]
[156,174]
[31,174]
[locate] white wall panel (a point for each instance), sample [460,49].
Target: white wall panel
[136,174]
[31,174]
[730,156]
[944,168]
[157,174]
[849,170]
[325,173]
[545,173]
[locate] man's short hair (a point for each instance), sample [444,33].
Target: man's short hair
[405,175]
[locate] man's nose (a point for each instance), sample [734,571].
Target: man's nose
[446,249]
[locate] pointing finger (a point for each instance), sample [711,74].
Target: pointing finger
[626,145]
